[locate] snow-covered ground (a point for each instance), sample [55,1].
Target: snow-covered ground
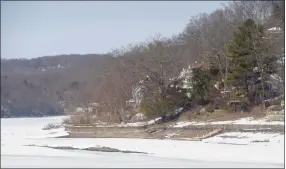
[17,132]
[135,124]
[243,121]
[247,138]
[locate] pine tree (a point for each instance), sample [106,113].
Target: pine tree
[241,53]
[201,83]
[249,65]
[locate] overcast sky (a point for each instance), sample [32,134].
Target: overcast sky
[44,28]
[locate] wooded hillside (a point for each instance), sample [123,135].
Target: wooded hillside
[51,85]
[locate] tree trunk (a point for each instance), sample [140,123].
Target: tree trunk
[262,96]
[226,73]
[221,71]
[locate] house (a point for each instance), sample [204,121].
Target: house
[274,30]
[272,86]
[185,75]
[137,93]
[273,33]
[130,102]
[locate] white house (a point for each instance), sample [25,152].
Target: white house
[187,75]
[137,94]
[275,30]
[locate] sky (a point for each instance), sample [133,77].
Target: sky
[32,29]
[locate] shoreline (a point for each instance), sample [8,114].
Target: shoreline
[31,117]
[191,133]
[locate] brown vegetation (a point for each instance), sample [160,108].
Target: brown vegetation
[41,87]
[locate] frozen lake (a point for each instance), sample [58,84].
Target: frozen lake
[18,132]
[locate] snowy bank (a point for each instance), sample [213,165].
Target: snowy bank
[242,121]
[18,132]
[246,138]
[135,124]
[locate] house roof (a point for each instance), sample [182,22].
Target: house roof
[274,29]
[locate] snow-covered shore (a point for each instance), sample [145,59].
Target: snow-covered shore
[242,121]
[259,148]
[243,138]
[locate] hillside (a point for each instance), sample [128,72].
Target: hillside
[53,85]
[38,86]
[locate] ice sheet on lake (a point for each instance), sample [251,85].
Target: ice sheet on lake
[18,132]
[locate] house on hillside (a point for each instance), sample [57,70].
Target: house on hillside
[137,94]
[272,87]
[273,30]
[274,33]
[185,76]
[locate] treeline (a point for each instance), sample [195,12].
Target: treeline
[231,41]
[234,43]
[48,85]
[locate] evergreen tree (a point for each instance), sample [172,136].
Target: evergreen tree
[201,82]
[249,66]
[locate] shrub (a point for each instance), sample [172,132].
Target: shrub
[66,120]
[157,108]
[210,107]
[238,107]
[79,119]
[51,126]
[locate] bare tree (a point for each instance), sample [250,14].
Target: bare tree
[214,31]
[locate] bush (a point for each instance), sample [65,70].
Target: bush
[238,107]
[79,119]
[66,121]
[210,108]
[51,126]
[157,108]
